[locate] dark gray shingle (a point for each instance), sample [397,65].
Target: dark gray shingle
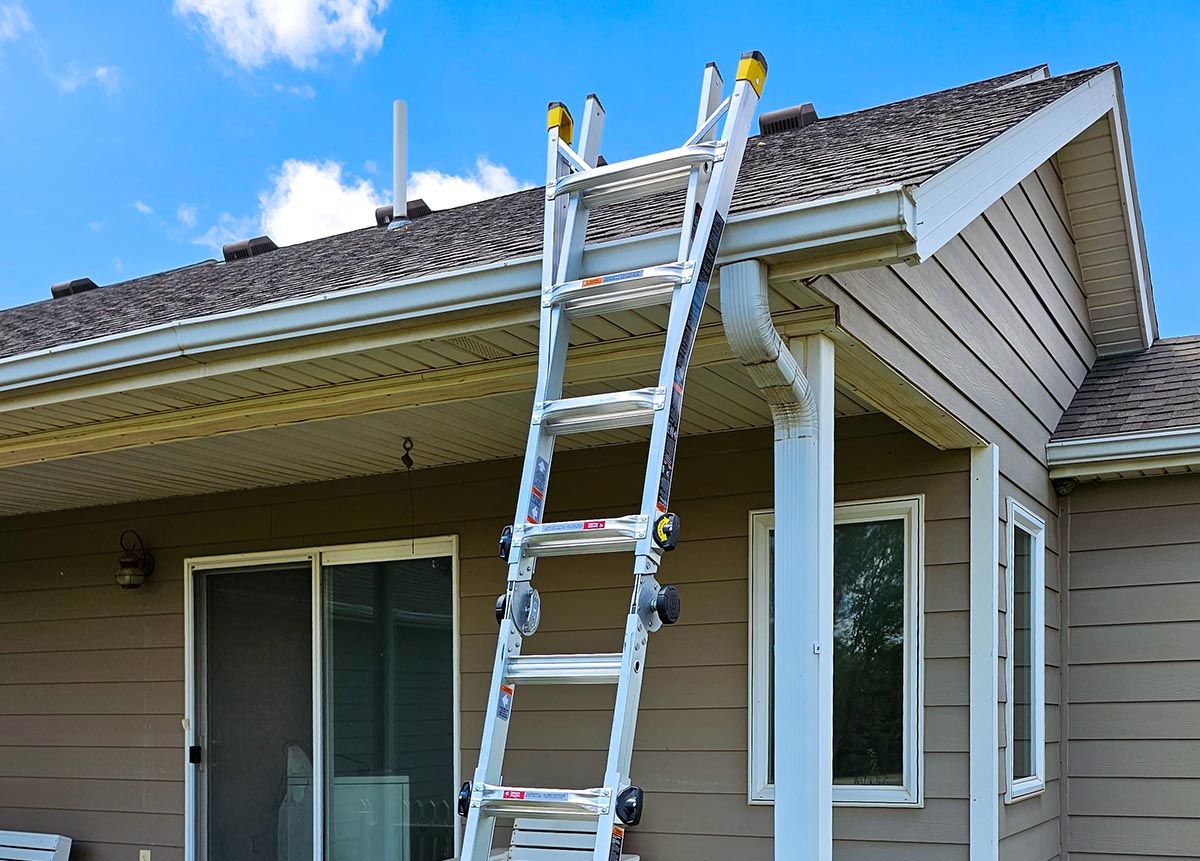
[1154,390]
[906,141]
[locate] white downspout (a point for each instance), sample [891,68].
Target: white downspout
[803,581]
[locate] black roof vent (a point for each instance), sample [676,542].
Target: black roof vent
[796,117]
[247,248]
[417,208]
[70,288]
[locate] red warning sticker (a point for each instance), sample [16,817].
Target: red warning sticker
[504,703]
[514,794]
[593,524]
[614,848]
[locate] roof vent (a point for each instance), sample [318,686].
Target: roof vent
[417,208]
[70,288]
[247,248]
[787,119]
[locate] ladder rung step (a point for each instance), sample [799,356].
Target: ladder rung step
[592,669]
[512,801]
[567,538]
[620,291]
[600,412]
[639,176]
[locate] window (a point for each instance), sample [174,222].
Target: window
[1025,709]
[877,676]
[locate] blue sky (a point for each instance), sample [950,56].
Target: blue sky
[137,137]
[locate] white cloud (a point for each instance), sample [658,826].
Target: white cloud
[96,226]
[254,32]
[74,79]
[303,91]
[118,264]
[308,199]
[14,21]
[186,215]
[443,190]
[143,208]
[227,229]
[371,166]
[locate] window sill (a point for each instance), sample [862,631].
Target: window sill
[1027,788]
[901,801]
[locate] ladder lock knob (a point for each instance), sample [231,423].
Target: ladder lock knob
[505,543]
[464,798]
[629,805]
[667,605]
[501,609]
[666,531]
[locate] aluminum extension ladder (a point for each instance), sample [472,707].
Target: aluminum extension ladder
[707,166]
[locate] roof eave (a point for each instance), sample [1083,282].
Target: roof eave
[869,227]
[951,199]
[1120,455]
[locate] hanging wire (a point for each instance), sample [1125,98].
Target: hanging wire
[408,462]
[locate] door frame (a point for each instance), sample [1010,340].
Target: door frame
[196,567]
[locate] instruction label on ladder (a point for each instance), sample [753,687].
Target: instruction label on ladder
[537,493]
[504,703]
[614,848]
[685,356]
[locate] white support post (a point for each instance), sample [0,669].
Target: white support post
[796,380]
[804,640]
[985,653]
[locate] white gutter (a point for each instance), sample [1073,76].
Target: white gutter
[879,215]
[1099,456]
[803,579]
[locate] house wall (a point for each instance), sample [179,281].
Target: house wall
[995,329]
[1134,669]
[91,678]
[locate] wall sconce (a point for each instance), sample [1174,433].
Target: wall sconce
[135,564]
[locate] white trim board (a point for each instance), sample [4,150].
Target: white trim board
[984,718]
[1119,455]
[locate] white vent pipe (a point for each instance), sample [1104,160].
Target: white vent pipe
[399,161]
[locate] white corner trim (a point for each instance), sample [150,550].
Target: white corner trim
[1104,455]
[984,671]
[952,199]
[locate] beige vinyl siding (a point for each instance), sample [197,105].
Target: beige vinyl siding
[1134,657]
[995,329]
[91,678]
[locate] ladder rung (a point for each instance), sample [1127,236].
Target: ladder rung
[512,801]
[620,291]
[639,176]
[593,669]
[600,412]
[567,538]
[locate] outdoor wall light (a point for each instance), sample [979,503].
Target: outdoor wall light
[135,564]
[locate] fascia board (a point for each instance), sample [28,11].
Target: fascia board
[886,212]
[1181,443]
[950,200]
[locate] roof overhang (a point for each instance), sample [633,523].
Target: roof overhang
[1126,455]
[877,226]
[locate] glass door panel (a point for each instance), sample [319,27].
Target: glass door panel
[257,712]
[389,710]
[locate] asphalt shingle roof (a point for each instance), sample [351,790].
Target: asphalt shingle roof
[904,142]
[1154,390]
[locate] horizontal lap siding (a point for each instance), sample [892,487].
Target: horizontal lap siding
[1134,653]
[91,678]
[995,329]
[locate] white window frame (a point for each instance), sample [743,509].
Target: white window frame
[318,558]
[910,509]
[1021,517]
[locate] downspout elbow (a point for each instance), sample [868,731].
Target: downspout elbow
[746,311]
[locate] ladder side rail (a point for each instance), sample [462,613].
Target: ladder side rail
[620,742]
[685,314]
[477,839]
[712,92]
[575,234]
[552,340]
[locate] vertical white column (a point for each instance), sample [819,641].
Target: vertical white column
[804,627]
[399,160]
[985,653]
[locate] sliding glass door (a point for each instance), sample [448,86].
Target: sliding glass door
[389,701]
[322,710]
